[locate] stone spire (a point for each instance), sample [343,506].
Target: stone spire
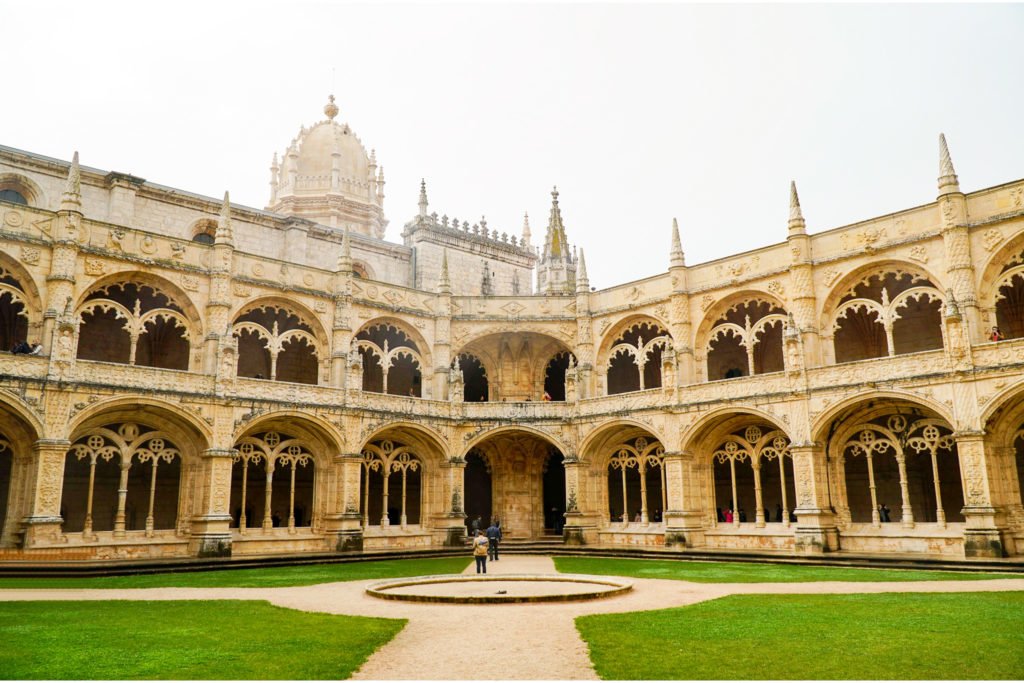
[444,285]
[423,197]
[526,229]
[71,199]
[582,281]
[676,258]
[797,226]
[224,233]
[555,242]
[948,181]
[345,260]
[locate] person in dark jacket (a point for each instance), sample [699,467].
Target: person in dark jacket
[493,537]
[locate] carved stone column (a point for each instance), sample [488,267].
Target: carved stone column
[21,463]
[580,519]
[46,481]
[454,473]
[816,530]
[343,520]
[982,535]
[211,536]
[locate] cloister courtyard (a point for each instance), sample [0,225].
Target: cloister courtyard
[681,620]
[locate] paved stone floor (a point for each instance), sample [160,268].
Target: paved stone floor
[505,641]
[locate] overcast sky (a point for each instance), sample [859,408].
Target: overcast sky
[637,113]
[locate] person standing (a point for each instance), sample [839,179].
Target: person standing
[493,537]
[480,552]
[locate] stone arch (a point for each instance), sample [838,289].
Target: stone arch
[893,451]
[745,467]
[24,186]
[864,319]
[515,361]
[476,384]
[508,429]
[280,339]
[1003,420]
[277,478]
[138,318]
[400,472]
[819,427]
[1001,290]
[131,467]
[19,431]
[362,270]
[631,354]
[628,464]
[21,314]
[744,333]
[395,357]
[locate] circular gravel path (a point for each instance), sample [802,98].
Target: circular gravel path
[494,642]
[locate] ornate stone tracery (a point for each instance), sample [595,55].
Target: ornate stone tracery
[387,458]
[642,456]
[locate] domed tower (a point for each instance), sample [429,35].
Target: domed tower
[326,176]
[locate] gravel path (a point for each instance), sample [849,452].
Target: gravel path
[505,641]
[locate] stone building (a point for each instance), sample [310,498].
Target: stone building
[215,379]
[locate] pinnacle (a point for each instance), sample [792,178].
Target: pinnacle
[797,225]
[224,233]
[948,181]
[676,257]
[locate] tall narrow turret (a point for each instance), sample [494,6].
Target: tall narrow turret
[526,230]
[556,273]
[423,197]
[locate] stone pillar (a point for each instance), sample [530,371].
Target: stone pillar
[816,530]
[211,536]
[343,520]
[21,463]
[454,471]
[46,481]
[982,536]
[684,525]
[578,515]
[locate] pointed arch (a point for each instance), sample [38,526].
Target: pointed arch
[742,335]
[280,339]
[632,356]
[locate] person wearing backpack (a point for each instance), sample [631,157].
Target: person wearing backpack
[480,551]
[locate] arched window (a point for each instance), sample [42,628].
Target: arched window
[13,312]
[272,483]
[888,313]
[900,468]
[133,323]
[121,478]
[634,362]
[1010,299]
[746,340]
[205,232]
[391,361]
[13,196]
[554,375]
[276,343]
[392,476]
[748,485]
[474,377]
[636,482]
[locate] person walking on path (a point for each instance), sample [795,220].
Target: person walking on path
[493,536]
[480,552]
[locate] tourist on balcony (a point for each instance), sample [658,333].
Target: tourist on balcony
[37,350]
[996,335]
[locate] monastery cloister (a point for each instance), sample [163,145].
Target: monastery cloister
[220,380]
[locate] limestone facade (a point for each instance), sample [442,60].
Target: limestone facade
[215,379]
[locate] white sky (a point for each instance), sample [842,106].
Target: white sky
[637,113]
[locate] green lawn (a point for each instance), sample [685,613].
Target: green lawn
[225,639]
[884,636]
[303,575]
[743,572]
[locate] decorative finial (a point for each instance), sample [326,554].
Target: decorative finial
[797,226]
[554,194]
[444,285]
[948,181]
[224,233]
[676,258]
[526,229]
[72,197]
[423,197]
[582,282]
[331,109]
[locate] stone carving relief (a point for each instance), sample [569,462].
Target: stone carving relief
[991,239]
[13,219]
[147,245]
[30,255]
[94,266]
[919,253]
[867,238]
